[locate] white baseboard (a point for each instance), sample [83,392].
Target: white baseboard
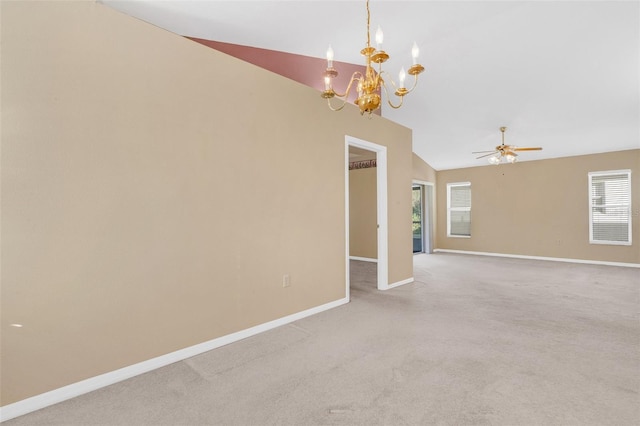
[399,283]
[79,388]
[363,259]
[553,259]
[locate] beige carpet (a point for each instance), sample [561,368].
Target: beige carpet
[473,341]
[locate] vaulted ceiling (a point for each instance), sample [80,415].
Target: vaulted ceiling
[563,75]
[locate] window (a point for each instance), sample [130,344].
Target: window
[610,207]
[459,209]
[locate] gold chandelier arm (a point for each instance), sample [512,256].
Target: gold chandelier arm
[406,91]
[344,102]
[357,75]
[384,77]
[386,92]
[395,106]
[415,83]
[342,95]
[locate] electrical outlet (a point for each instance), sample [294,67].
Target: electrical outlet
[286,280]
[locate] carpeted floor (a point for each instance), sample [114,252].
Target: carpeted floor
[473,341]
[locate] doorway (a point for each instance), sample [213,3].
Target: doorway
[380,152]
[422,217]
[417,218]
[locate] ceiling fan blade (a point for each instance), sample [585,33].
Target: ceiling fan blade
[528,149]
[481,152]
[486,155]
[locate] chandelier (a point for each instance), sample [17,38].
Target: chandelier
[370,84]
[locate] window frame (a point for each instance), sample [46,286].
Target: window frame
[450,209]
[603,206]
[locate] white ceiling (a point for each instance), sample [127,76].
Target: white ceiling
[563,75]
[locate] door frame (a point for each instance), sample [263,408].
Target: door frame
[428,206]
[381,209]
[421,189]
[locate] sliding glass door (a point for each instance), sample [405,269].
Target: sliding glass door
[418,219]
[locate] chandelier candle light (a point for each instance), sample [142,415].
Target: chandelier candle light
[370,84]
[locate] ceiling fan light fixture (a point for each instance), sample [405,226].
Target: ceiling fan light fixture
[504,153]
[371,84]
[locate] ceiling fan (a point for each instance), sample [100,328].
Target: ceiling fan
[506,152]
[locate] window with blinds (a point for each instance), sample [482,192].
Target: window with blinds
[459,209]
[610,207]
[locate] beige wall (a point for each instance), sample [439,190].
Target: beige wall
[538,208]
[155,191]
[363,224]
[421,170]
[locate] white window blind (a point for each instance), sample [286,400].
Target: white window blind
[610,207]
[459,209]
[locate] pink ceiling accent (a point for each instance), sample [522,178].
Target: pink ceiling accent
[303,69]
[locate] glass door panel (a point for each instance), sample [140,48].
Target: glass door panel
[418,245]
